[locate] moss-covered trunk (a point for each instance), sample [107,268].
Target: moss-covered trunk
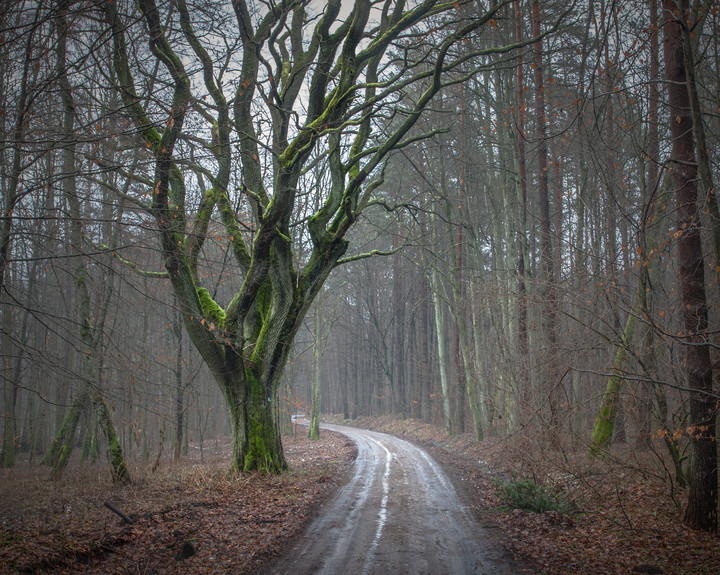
[61,446]
[119,470]
[233,388]
[264,445]
[610,404]
[90,318]
[605,421]
[254,418]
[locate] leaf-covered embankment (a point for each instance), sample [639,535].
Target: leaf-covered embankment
[232,523]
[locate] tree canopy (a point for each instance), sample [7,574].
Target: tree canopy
[279,118]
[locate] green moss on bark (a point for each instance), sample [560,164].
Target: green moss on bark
[314,431]
[119,470]
[211,310]
[120,473]
[90,446]
[605,421]
[61,446]
[264,306]
[63,456]
[264,447]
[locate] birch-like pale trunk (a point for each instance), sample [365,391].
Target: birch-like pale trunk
[442,343]
[316,379]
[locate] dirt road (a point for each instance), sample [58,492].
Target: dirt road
[399,513]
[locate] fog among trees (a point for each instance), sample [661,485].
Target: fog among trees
[495,217]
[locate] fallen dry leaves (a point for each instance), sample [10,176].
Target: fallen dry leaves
[227,523]
[627,522]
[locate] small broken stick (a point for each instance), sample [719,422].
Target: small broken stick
[115,510]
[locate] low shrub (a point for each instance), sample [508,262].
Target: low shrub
[527,495]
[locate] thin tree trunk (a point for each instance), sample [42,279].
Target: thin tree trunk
[609,406]
[344,388]
[316,379]
[61,446]
[179,386]
[652,184]
[399,297]
[459,364]
[547,261]
[89,327]
[472,379]
[522,334]
[440,332]
[424,348]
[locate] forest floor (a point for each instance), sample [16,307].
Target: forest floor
[228,523]
[620,515]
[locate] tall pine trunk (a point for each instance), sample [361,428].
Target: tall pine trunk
[652,184]
[522,331]
[701,512]
[547,259]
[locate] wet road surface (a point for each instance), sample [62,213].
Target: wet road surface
[399,513]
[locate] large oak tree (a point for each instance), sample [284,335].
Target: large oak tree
[273,88]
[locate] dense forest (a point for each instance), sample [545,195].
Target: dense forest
[499,217]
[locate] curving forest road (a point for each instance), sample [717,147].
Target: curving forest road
[399,513]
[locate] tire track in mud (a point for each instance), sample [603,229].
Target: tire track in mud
[398,513]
